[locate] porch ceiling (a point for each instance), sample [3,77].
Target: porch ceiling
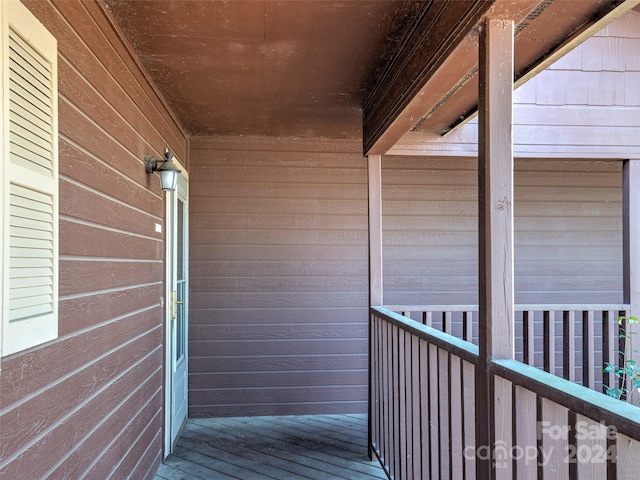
[312,68]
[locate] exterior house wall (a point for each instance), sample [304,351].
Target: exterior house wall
[568,231]
[90,403]
[279,266]
[567,235]
[278,314]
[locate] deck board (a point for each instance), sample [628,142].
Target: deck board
[316,447]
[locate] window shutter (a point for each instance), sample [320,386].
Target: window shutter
[30,212]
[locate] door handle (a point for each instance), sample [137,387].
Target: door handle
[173,307]
[173,304]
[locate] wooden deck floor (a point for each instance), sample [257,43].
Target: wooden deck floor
[321,447]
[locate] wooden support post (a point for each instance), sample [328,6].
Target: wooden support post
[374,167]
[631,238]
[495,199]
[631,248]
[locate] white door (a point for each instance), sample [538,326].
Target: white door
[177,311]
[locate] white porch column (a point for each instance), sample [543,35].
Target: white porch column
[495,229]
[374,168]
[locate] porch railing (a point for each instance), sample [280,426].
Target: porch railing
[424,412]
[571,341]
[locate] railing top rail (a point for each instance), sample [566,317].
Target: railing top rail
[518,307]
[613,412]
[578,306]
[465,350]
[432,308]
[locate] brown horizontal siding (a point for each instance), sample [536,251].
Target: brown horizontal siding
[88,311]
[280,395]
[282,315]
[90,403]
[299,348]
[264,379]
[76,164]
[78,386]
[287,408]
[76,350]
[82,203]
[256,364]
[71,408]
[80,239]
[252,332]
[75,275]
[278,299]
[568,231]
[127,440]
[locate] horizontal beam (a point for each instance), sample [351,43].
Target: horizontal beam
[583,307]
[398,100]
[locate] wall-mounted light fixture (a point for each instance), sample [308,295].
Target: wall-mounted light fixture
[168,170]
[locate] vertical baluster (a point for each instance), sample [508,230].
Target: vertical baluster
[427,318]
[390,407]
[374,414]
[434,415]
[467,326]
[425,424]
[380,389]
[525,430]
[527,337]
[401,403]
[386,395]
[609,322]
[623,327]
[469,418]
[596,441]
[568,346]
[394,453]
[444,370]
[455,418]
[446,322]
[408,405]
[553,445]
[588,360]
[549,337]
[416,396]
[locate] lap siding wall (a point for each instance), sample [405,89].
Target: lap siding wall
[90,403]
[278,277]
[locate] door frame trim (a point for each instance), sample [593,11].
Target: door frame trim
[168,441]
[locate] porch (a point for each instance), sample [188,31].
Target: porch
[511,394]
[273,447]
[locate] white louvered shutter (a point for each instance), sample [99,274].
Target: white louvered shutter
[30,299]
